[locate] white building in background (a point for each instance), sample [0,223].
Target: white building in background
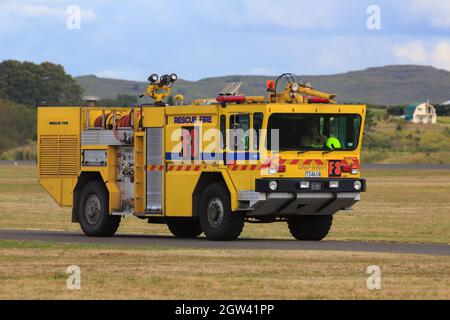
[421,113]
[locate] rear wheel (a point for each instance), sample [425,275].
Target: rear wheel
[93,214]
[310,228]
[184,228]
[218,222]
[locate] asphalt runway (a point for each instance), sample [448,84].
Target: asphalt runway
[202,243]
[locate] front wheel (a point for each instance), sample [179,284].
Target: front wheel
[218,222]
[93,214]
[310,228]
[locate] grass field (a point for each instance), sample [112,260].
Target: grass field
[444,120]
[38,270]
[401,206]
[396,141]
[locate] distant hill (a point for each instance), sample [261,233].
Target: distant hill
[390,85]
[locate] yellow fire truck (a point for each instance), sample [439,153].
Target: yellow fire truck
[291,156]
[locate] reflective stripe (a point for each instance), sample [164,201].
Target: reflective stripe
[206,156]
[245,167]
[316,161]
[154,168]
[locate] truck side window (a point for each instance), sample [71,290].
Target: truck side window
[223,132]
[189,143]
[239,132]
[257,126]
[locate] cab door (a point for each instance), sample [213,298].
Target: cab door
[238,138]
[237,156]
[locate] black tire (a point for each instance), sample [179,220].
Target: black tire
[225,226]
[96,222]
[310,228]
[185,228]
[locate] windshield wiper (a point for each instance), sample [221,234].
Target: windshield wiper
[301,151]
[330,151]
[295,149]
[289,149]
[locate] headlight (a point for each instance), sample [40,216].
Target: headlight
[304,185]
[173,77]
[295,87]
[273,185]
[358,185]
[334,184]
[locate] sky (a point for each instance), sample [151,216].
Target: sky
[204,38]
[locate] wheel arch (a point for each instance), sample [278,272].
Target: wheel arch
[83,179]
[206,179]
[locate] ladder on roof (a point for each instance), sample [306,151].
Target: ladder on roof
[231,89]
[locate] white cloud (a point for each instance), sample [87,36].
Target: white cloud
[261,71]
[441,55]
[436,11]
[14,10]
[110,74]
[418,52]
[282,13]
[126,74]
[19,17]
[289,13]
[413,52]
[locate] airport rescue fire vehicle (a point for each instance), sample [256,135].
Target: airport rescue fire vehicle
[290,156]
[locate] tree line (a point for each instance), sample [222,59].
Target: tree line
[441,110]
[33,84]
[25,85]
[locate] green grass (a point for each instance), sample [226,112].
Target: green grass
[396,141]
[38,271]
[444,120]
[19,244]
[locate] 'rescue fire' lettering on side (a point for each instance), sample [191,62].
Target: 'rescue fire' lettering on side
[192,119]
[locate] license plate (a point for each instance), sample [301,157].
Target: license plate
[313,174]
[316,186]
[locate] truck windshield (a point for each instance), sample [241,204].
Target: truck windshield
[310,132]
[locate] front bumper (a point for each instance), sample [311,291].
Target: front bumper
[316,185]
[290,200]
